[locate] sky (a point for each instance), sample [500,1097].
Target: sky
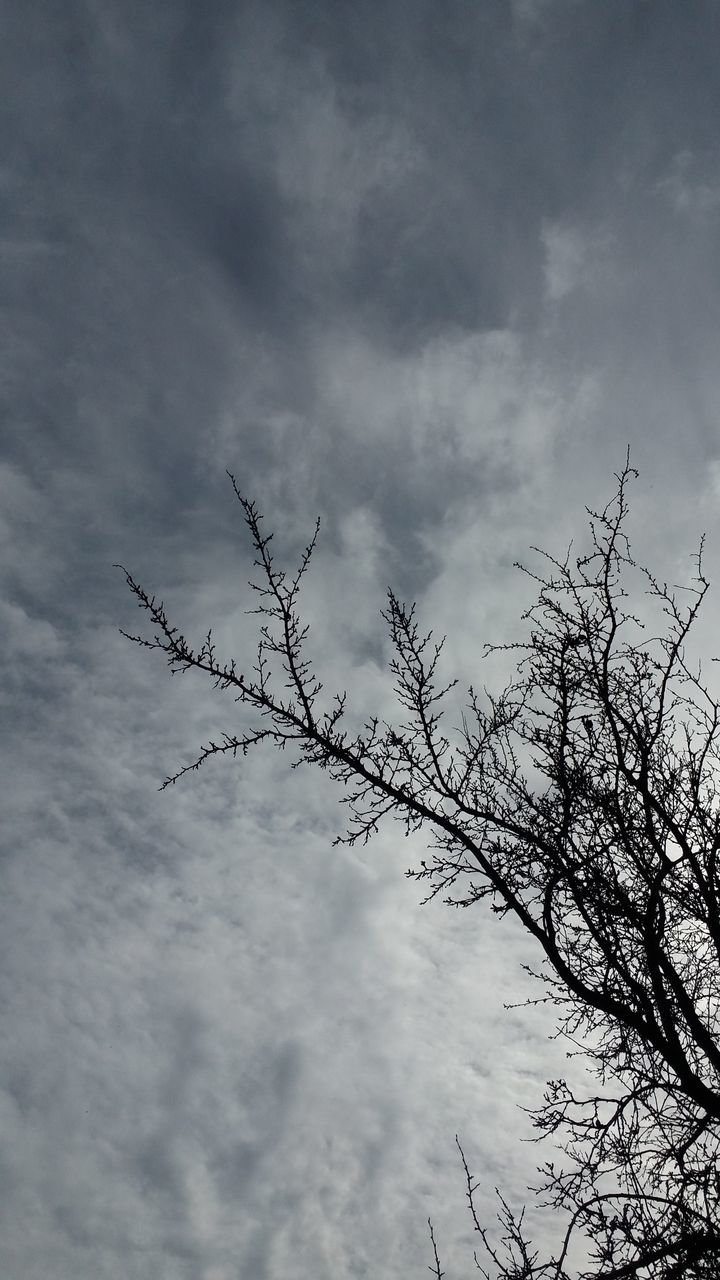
[424,270]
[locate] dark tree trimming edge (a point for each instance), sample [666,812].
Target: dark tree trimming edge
[611,864]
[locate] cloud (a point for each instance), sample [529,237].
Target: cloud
[691,192]
[424,276]
[575,259]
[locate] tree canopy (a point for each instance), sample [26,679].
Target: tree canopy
[582,799]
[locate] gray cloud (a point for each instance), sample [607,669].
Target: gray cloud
[427,274]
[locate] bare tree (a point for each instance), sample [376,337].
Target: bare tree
[583,800]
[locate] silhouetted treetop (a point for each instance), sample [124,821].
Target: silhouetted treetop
[583,800]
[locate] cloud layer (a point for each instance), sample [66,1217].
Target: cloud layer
[425,271]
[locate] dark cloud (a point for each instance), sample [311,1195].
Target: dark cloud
[425,270]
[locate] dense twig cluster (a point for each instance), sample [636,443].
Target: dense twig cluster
[583,800]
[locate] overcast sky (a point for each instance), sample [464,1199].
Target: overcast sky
[421,267]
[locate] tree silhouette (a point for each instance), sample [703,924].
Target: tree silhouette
[582,799]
